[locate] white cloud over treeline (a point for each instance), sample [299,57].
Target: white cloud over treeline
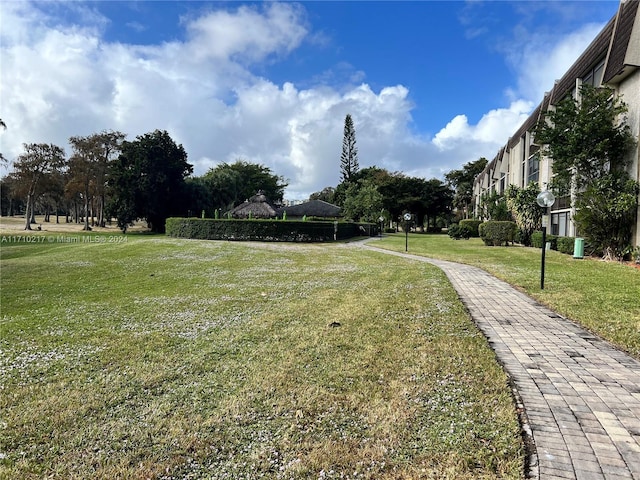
[60,79]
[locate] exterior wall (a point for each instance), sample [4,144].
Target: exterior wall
[630,92]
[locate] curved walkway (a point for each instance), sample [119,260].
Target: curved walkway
[581,396]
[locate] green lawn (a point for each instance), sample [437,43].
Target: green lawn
[166,358]
[602,296]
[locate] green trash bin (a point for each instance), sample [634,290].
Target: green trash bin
[578,248]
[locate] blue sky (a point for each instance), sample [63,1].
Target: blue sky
[430,85]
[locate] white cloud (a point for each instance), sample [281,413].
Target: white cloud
[64,81]
[493,129]
[247,32]
[539,59]
[58,81]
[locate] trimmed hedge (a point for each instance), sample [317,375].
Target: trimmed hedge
[561,244]
[496,233]
[457,232]
[566,244]
[472,226]
[536,240]
[265,230]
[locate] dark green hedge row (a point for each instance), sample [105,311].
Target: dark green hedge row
[497,233]
[266,230]
[536,240]
[561,244]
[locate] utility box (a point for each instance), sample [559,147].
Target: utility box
[578,248]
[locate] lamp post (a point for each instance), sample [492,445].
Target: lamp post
[545,200]
[381,220]
[407,219]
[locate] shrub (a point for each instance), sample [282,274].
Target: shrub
[265,230]
[497,233]
[472,226]
[565,244]
[457,232]
[526,212]
[536,241]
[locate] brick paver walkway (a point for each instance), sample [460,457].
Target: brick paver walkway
[580,395]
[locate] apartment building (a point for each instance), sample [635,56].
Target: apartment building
[612,59]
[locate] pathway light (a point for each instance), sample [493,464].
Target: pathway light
[546,200]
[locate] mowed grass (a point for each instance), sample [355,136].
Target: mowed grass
[602,296]
[164,358]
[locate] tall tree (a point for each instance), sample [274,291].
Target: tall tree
[586,139]
[589,141]
[232,184]
[438,200]
[82,169]
[462,182]
[363,202]
[349,158]
[327,194]
[110,145]
[52,188]
[399,193]
[10,195]
[148,180]
[37,161]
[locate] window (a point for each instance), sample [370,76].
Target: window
[594,76]
[563,202]
[523,173]
[560,223]
[534,168]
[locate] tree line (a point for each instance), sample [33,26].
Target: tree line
[109,178]
[374,193]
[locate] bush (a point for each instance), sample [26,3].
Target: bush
[497,233]
[634,252]
[536,240]
[265,230]
[566,244]
[472,226]
[457,232]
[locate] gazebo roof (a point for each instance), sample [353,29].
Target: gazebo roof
[257,206]
[313,208]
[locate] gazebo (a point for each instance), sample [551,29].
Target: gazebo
[257,206]
[312,208]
